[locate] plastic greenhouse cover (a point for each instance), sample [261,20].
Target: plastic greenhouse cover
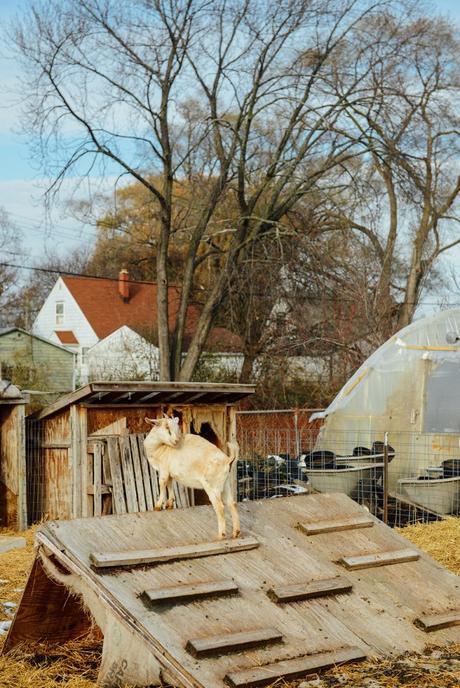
[392,367]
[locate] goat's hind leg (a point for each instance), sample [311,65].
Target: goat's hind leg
[216,500]
[230,502]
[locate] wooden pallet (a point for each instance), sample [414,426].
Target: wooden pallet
[122,481]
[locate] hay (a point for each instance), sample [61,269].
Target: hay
[441,540]
[76,664]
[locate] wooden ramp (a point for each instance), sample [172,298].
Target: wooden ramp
[283,601]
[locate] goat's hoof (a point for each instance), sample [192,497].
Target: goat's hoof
[170,504]
[236,534]
[221,536]
[158,508]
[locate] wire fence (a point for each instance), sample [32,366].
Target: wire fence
[412,477]
[401,477]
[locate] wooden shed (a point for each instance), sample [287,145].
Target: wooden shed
[85,453]
[13,509]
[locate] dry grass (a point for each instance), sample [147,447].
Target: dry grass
[76,664]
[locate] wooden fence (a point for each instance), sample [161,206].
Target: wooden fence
[120,480]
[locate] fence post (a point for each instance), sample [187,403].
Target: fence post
[298,448]
[385,478]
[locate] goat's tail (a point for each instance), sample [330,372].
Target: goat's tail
[233,451]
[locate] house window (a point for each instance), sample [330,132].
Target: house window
[84,355]
[59,312]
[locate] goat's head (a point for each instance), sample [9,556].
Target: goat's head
[166,430]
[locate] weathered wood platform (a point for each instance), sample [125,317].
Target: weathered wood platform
[314,616]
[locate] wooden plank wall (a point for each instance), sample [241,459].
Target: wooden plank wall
[120,480]
[13,505]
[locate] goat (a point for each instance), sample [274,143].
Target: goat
[194,462]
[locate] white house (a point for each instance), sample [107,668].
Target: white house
[119,314]
[123,355]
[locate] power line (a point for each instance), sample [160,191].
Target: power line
[70,273]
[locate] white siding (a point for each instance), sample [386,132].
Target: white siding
[74,320]
[123,355]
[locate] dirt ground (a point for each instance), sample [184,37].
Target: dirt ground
[76,665]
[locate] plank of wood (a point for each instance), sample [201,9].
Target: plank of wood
[434,622]
[310,589]
[366,561]
[128,475]
[106,472]
[97,477]
[104,489]
[149,501]
[118,494]
[75,463]
[189,591]
[293,668]
[232,642]
[158,556]
[360,521]
[137,472]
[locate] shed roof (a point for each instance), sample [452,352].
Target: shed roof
[32,335]
[127,393]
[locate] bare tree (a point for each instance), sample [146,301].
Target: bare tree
[237,97]
[11,253]
[402,198]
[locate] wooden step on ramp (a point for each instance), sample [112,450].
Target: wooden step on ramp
[435,622]
[232,642]
[361,521]
[187,592]
[159,556]
[310,589]
[291,669]
[367,561]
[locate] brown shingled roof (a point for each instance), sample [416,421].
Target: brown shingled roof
[106,311]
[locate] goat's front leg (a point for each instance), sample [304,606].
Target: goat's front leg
[163,480]
[216,500]
[171,498]
[230,502]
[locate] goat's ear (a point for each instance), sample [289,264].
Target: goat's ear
[165,415]
[176,420]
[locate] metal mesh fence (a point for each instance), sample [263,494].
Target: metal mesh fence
[415,477]
[412,478]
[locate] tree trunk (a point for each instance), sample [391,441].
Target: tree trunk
[250,356]
[163,299]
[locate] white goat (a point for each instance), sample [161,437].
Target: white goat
[194,462]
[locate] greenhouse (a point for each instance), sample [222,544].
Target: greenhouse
[409,389]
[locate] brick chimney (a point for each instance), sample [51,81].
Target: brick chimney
[123,285]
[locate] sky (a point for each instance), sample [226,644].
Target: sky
[21,182]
